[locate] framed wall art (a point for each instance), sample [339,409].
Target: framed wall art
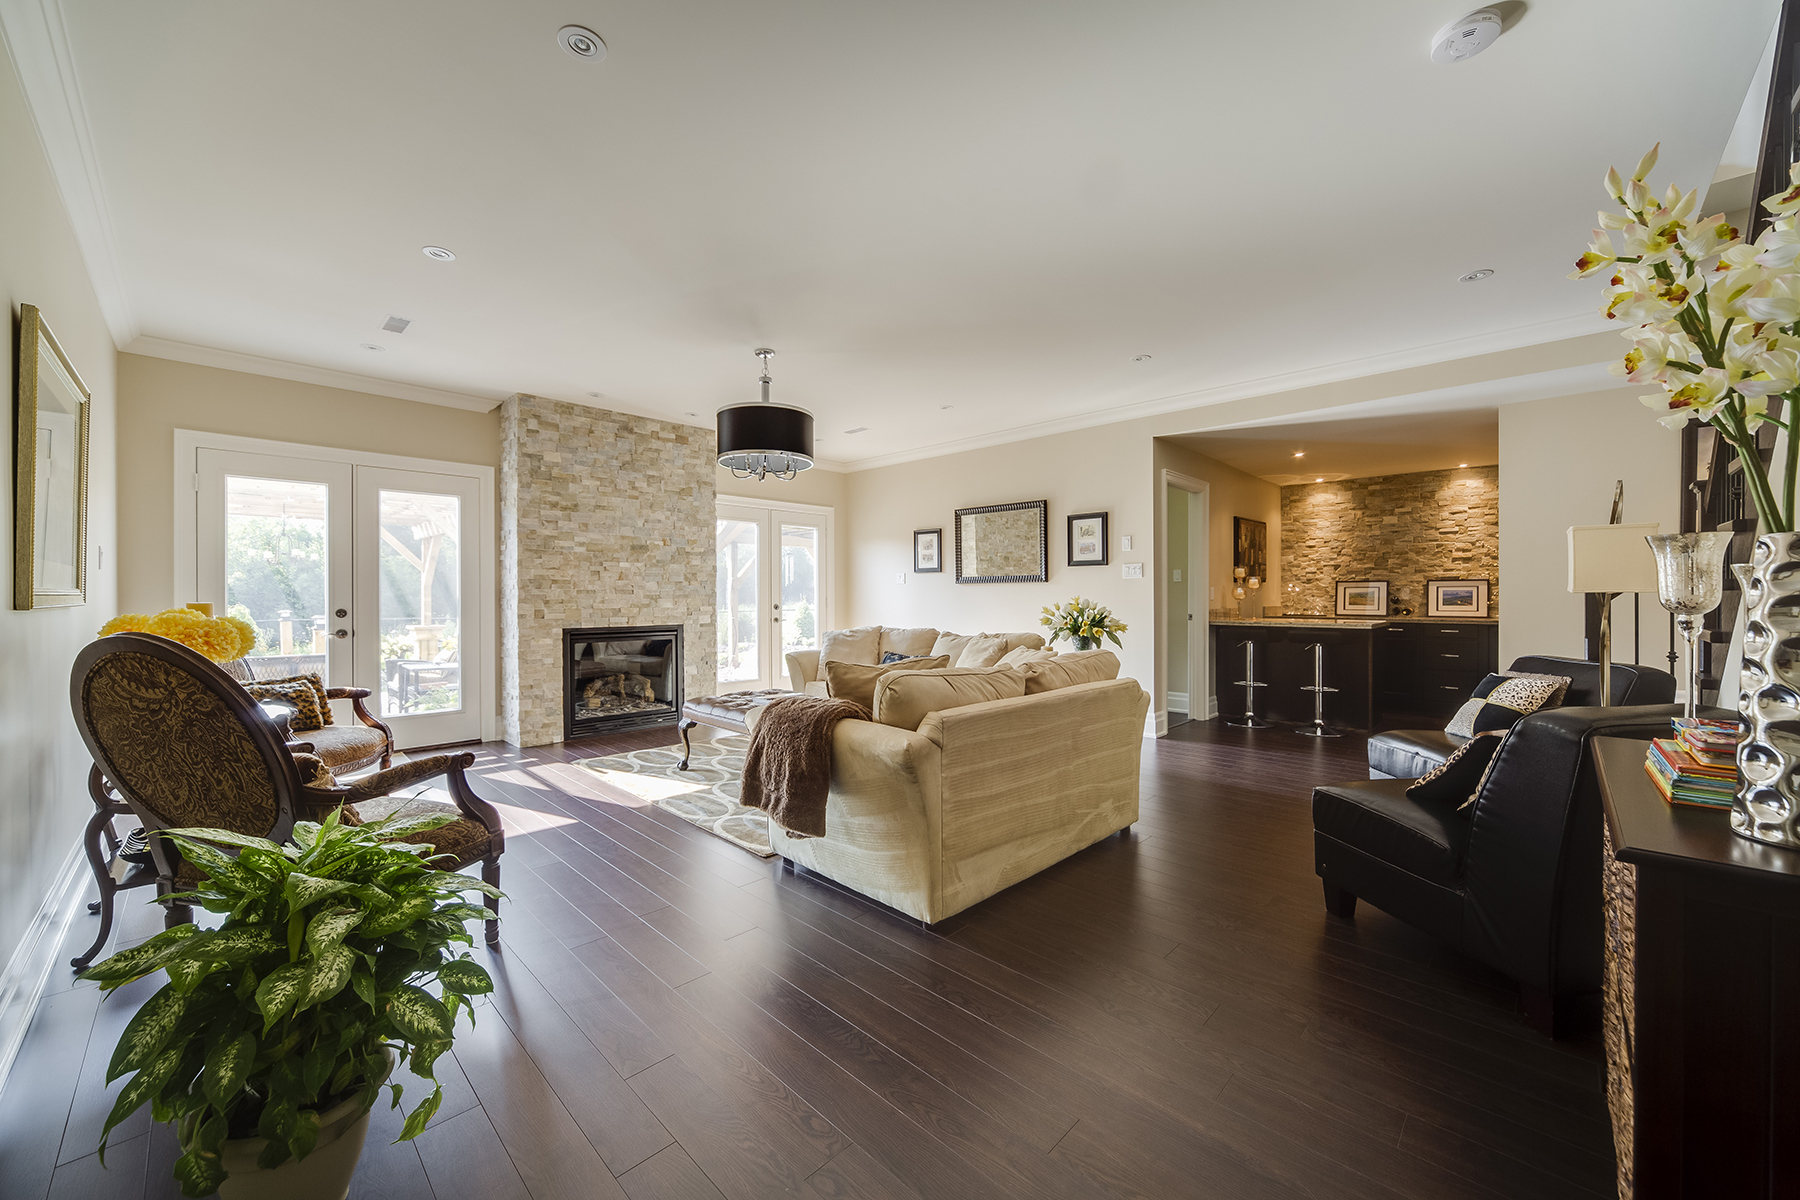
[1003,543]
[1087,540]
[50,435]
[1250,546]
[928,550]
[1362,598]
[1456,597]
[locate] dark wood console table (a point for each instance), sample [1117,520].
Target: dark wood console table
[1703,995]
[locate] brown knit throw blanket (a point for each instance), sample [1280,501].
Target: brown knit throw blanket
[787,770]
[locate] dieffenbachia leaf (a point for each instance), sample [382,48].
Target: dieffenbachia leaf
[398,830]
[330,928]
[303,890]
[416,1119]
[199,1172]
[278,991]
[465,977]
[145,1084]
[417,1014]
[185,975]
[141,959]
[466,912]
[364,985]
[228,1064]
[226,837]
[329,972]
[398,916]
[148,1032]
[230,946]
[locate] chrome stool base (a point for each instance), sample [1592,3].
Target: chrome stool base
[1318,728]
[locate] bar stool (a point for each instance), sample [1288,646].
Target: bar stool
[1249,720]
[1318,728]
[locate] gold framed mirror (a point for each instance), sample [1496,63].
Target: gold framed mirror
[50,436]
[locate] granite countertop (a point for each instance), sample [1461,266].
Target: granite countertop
[1304,622]
[1451,620]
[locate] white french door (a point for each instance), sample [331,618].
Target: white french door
[371,575]
[774,589]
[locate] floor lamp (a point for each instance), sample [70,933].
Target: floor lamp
[1610,560]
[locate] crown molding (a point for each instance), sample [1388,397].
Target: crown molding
[275,368]
[37,43]
[1556,329]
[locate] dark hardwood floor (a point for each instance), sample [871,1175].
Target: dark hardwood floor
[1166,1014]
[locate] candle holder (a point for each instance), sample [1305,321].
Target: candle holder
[1690,579]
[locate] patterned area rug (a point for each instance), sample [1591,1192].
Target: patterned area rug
[706,794]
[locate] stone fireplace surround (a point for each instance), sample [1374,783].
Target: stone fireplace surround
[606,519]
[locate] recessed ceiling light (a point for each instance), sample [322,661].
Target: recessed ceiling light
[1320,479]
[582,42]
[373,346]
[942,407]
[595,395]
[693,414]
[858,429]
[1467,37]
[1141,358]
[1462,464]
[439,253]
[1475,276]
[1299,454]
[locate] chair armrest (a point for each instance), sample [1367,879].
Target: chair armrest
[451,766]
[347,693]
[802,668]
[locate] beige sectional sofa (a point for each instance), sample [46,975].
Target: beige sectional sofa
[971,779]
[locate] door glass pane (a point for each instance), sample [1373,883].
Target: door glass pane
[799,587]
[275,570]
[421,602]
[738,607]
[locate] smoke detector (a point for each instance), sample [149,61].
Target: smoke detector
[1467,37]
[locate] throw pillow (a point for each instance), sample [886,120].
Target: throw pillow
[982,651]
[856,681]
[1068,670]
[294,694]
[951,645]
[1463,723]
[316,716]
[1509,703]
[913,643]
[1481,785]
[1020,641]
[1562,685]
[851,645]
[894,656]
[1459,777]
[905,698]
[1023,655]
[1468,720]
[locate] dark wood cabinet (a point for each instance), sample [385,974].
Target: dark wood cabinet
[1429,668]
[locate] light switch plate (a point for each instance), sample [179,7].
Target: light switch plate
[900,578]
[1125,542]
[1134,570]
[1177,574]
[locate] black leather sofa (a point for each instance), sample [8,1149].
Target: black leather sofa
[1410,753]
[1514,880]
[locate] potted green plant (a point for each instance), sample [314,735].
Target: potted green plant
[277,1030]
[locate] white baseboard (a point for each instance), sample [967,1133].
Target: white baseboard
[1212,707]
[1156,723]
[22,983]
[1178,702]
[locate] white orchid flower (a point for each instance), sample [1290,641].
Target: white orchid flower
[1599,256]
[1637,195]
[1615,187]
[1700,394]
[1613,220]
[1647,163]
[1777,371]
[1777,248]
[1776,299]
[1651,353]
[1708,239]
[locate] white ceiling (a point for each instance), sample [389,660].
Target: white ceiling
[1356,448]
[989,206]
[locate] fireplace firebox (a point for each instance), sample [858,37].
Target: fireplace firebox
[620,677]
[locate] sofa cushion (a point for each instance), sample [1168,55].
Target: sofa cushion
[855,681]
[1067,670]
[1024,654]
[1410,753]
[1378,818]
[1458,778]
[1019,641]
[983,650]
[903,699]
[817,687]
[951,645]
[908,643]
[851,646]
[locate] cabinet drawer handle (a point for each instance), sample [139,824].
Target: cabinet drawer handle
[1450,656]
[1449,631]
[1450,687]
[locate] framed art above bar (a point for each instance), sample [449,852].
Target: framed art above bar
[1362,598]
[1250,546]
[1087,540]
[928,550]
[50,434]
[1456,597]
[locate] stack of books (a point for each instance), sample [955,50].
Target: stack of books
[1698,766]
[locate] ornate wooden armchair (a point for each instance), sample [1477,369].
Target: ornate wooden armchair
[178,743]
[343,747]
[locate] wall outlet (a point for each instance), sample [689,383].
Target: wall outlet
[1177,574]
[1125,542]
[1134,570]
[1212,595]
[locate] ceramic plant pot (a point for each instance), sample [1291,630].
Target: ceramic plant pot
[324,1174]
[1767,805]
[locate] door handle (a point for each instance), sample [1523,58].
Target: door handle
[342,633]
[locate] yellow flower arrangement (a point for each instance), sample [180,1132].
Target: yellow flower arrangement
[1084,622]
[221,639]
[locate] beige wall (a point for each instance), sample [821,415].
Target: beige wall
[826,489]
[1558,461]
[158,396]
[43,765]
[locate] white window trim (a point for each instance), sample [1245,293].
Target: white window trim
[188,444]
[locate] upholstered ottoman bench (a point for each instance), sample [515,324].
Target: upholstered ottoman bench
[735,712]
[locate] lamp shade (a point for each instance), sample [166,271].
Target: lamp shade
[1611,558]
[773,438]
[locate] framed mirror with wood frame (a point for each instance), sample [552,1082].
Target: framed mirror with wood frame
[50,472]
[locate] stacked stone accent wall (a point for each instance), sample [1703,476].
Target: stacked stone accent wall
[1405,529]
[605,519]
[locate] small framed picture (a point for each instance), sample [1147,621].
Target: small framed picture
[1087,540]
[1362,598]
[928,550]
[1456,597]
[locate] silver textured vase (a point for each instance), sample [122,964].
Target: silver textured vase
[1767,806]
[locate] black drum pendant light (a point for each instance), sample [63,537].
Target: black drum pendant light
[759,440]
